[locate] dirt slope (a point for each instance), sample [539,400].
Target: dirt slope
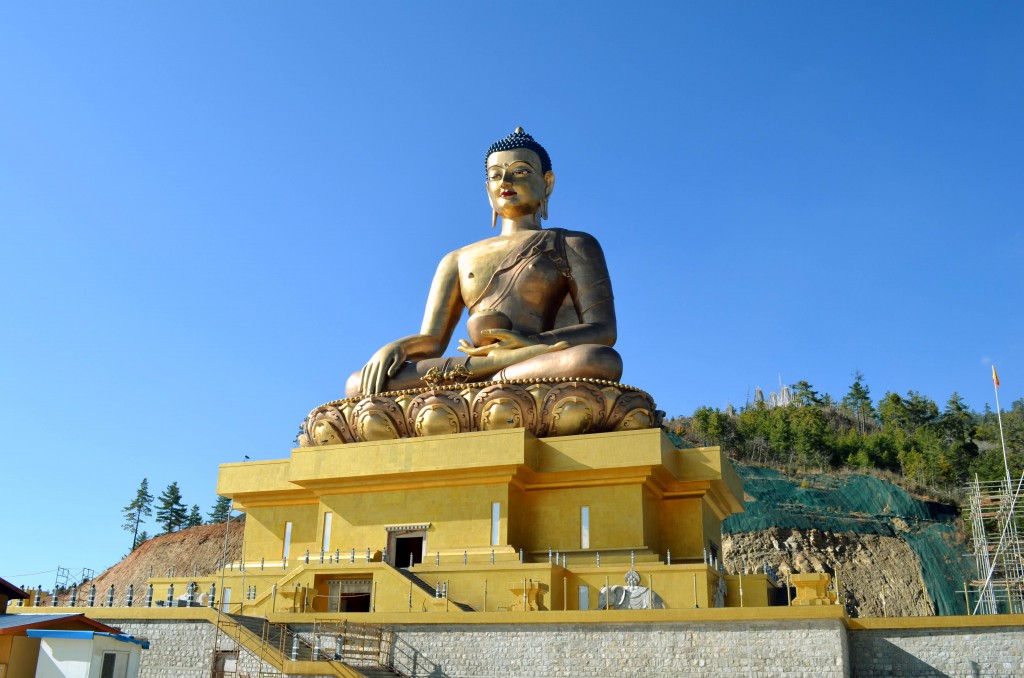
[194,549]
[871,568]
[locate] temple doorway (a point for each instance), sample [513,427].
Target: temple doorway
[349,595]
[408,551]
[407,544]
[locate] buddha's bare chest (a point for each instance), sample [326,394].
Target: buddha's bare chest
[478,264]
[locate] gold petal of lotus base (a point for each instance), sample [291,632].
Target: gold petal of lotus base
[545,407]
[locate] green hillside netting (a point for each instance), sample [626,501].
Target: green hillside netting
[945,565]
[862,505]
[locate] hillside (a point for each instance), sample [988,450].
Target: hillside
[885,544]
[194,549]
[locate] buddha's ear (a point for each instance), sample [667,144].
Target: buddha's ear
[549,182]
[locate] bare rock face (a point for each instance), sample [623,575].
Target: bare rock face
[880,576]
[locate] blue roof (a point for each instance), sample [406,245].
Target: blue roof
[28,620]
[8,621]
[86,635]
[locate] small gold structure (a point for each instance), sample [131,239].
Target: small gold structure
[525,596]
[812,589]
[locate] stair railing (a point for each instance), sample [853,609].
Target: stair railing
[352,641]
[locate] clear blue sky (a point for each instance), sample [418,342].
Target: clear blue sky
[211,213]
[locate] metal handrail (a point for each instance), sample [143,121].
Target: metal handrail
[236,631]
[351,640]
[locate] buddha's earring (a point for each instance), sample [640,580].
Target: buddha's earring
[494,218]
[544,210]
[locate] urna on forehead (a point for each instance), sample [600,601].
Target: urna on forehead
[520,139]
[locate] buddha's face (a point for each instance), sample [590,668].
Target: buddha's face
[515,184]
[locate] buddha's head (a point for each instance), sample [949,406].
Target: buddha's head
[519,176]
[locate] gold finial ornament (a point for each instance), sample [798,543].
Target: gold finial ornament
[520,130]
[458,375]
[433,378]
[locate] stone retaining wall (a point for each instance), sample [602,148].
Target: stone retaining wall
[809,649]
[184,649]
[820,648]
[997,651]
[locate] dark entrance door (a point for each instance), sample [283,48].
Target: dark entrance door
[406,548]
[356,602]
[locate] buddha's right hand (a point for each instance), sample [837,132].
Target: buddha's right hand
[384,364]
[512,356]
[503,340]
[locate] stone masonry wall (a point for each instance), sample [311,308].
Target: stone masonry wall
[184,649]
[796,649]
[813,649]
[937,652]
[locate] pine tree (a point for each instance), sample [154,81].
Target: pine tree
[142,537]
[195,517]
[858,401]
[956,421]
[140,508]
[170,512]
[220,511]
[804,394]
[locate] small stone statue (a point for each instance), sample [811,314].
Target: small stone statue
[632,596]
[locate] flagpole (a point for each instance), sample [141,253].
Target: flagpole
[1002,438]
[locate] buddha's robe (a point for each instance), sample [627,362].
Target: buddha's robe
[537,274]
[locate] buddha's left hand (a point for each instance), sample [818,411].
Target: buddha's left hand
[506,341]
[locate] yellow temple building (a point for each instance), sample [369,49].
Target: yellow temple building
[360,527]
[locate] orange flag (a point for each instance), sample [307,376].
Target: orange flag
[995,377]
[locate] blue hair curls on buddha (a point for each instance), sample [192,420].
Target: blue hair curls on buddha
[520,139]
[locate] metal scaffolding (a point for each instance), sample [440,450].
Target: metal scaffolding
[66,578]
[994,518]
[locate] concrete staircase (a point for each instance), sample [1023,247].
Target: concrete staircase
[276,637]
[376,671]
[428,589]
[278,644]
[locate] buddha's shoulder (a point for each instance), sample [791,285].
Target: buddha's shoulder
[576,240]
[500,241]
[473,251]
[485,245]
[580,237]
[581,244]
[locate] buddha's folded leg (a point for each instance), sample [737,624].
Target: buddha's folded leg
[589,361]
[409,375]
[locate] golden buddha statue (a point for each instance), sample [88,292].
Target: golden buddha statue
[541,328]
[539,300]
